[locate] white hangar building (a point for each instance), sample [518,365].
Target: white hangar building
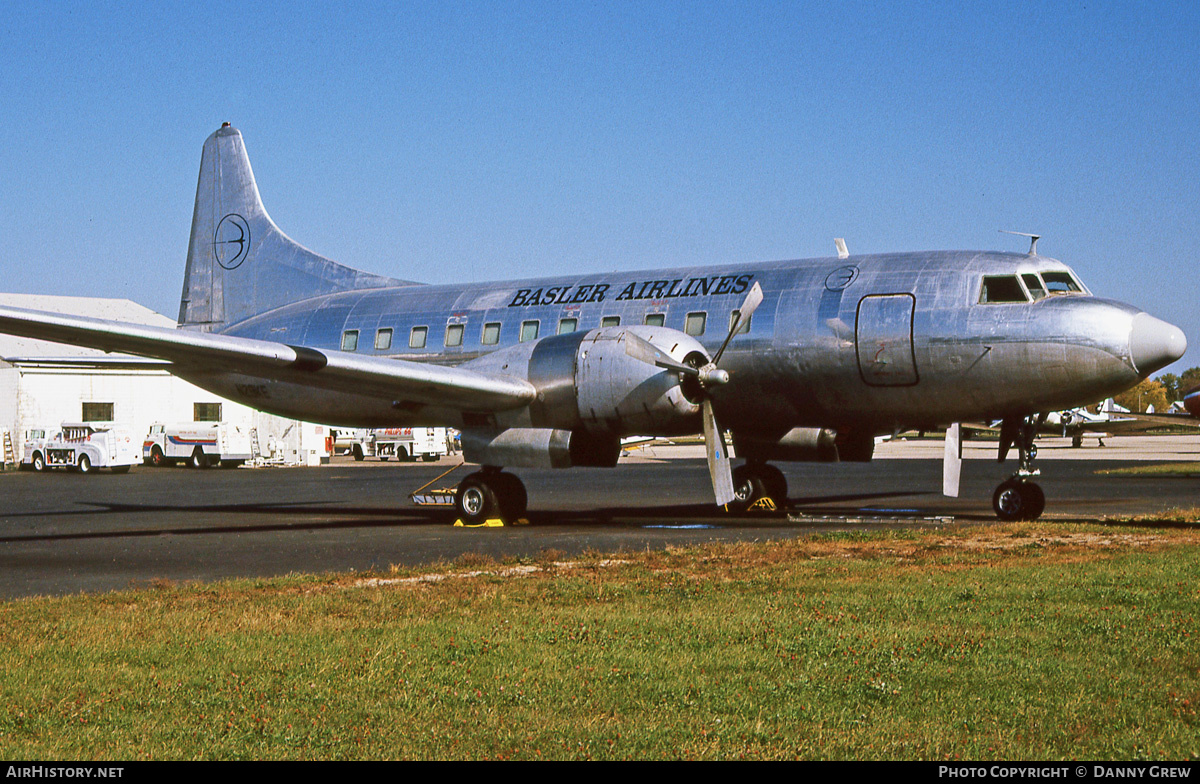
[45,384]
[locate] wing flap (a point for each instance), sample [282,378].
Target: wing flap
[398,380]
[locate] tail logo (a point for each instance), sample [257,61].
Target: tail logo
[231,241]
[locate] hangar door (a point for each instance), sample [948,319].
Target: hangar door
[884,340]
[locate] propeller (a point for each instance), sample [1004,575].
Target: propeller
[708,376]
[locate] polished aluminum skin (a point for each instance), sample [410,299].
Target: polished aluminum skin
[852,345]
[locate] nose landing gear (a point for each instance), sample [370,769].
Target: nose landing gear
[1019,498]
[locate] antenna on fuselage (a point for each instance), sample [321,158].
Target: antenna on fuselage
[1032,237]
[841,246]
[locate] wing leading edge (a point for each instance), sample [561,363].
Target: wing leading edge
[397,380]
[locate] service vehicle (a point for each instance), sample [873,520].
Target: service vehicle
[410,443]
[198,444]
[82,447]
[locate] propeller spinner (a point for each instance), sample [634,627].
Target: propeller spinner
[706,376]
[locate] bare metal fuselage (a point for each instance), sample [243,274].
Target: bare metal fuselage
[868,343]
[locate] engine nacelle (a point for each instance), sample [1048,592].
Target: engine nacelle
[800,444]
[528,447]
[587,381]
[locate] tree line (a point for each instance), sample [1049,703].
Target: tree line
[1159,392]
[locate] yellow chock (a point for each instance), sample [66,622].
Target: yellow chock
[764,503]
[491,522]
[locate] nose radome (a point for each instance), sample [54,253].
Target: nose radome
[1154,344]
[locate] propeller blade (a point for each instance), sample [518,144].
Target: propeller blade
[640,348]
[718,457]
[952,461]
[749,305]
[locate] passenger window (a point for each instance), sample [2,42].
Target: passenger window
[383,339]
[1060,283]
[350,340]
[416,338]
[694,325]
[745,327]
[1002,288]
[610,321]
[491,333]
[529,330]
[454,334]
[567,325]
[655,319]
[1034,284]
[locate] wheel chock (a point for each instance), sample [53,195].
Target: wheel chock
[491,522]
[764,504]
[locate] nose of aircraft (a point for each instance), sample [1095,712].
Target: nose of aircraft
[1154,344]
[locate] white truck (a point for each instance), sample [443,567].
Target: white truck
[403,443]
[198,444]
[82,447]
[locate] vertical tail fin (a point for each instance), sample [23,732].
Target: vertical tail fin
[239,263]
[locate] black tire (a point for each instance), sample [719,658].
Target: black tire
[1035,500]
[748,487]
[776,483]
[358,453]
[157,458]
[476,501]
[1010,502]
[514,499]
[38,462]
[84,465]
[198,459]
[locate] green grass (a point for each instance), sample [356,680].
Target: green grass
[1022,642]
[1156,469]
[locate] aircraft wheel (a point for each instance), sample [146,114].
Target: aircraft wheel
[358,453]
[752,482]
[514,500]
[39,462]
[1035,500]
[1015,500]
[1076,441]
[777,487]
[476,501]
[748,487]
[84,466]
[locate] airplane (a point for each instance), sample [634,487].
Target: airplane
[1079,423]
[803,360]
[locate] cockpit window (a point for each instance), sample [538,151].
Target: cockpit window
[1034,284]
[1002,288]
[1061,283]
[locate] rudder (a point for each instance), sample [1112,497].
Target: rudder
[239,263]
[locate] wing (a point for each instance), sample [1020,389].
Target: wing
[1150,421]
[335,370]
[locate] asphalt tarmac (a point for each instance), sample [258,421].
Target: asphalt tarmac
[63,533]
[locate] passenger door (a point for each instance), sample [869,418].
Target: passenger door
[884,340]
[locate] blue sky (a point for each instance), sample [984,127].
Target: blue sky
[476,141]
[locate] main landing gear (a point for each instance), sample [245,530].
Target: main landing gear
[490,495]
[1018,498]
[758,486]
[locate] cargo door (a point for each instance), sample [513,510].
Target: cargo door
[884,340]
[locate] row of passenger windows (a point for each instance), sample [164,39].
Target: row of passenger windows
[695,325]
[1009,288]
